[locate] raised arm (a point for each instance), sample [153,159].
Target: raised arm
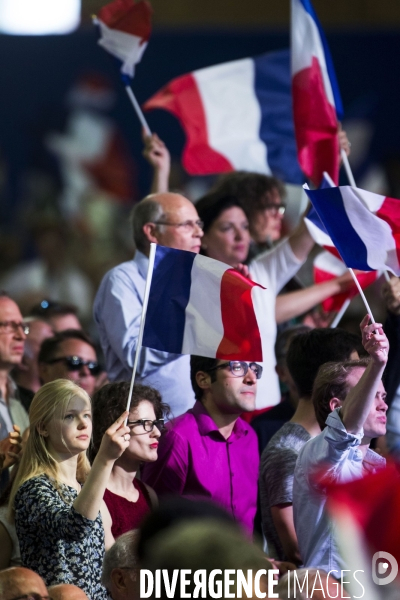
[361,397]
[157,154]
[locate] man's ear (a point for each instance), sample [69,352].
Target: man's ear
[117,577]
[335,403]
[150,231]
[203,380]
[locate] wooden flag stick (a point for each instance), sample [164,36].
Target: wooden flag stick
[362,295]
[142,319]
[138,110]
[347,168]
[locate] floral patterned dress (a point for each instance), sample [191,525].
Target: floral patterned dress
[57,542]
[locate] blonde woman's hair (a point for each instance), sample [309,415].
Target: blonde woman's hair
[53,398]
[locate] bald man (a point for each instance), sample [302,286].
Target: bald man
[170,220]
[18,582]
[66,591]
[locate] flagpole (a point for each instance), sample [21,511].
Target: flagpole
[362,295]
[340,314]
[347,168]
[138,110]
[142,318]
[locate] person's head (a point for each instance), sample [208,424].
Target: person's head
[281,347]
[109,402]
[229,387]
[59,315]
[226,228]
[261,199]
[167,219]
[13,332]
[66,591]
[333,383]
[28,370]
[60,418]
[18,582]
[309,350]
[69,355]
[206,544]
[120,568]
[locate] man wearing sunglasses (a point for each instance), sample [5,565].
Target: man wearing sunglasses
[210,452]
[69,355]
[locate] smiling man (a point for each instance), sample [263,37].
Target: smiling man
[210,452]
[12,342]
[170,220]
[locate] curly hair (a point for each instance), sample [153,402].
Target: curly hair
[109,402]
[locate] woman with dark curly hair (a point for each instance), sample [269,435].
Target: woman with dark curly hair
[127,498]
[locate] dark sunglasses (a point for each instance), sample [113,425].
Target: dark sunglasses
[74,363]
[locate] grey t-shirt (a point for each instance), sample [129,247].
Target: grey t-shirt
[276,478]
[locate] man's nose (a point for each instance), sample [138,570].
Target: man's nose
[250,378]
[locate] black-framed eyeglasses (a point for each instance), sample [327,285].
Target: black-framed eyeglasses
[239,368]
[74,363]
[276,209]
[147,424]
[13,326]
[32,596]
[185,226]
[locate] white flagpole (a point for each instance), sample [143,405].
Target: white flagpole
[142,318]
[362,295]
[138,110]
[340,313]
[347,168]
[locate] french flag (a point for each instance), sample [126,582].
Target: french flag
[364,227]
[316,99]
[236,116]
[198,305]
[125,28]
[326,267]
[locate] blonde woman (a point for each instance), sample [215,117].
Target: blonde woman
[59,523]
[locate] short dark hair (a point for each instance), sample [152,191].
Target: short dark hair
[201,363]
[212,205]
[50,346]
[308,351]
[286,336]
[332,382]
[252,190]
[51,308]
[109,402]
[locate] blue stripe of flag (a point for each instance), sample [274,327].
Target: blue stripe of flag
[168,299]
[330,207]
[273,91]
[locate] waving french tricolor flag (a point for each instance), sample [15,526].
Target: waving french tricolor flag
[236,116]
[316,98]
[364,227]
[125,28]
[198,305]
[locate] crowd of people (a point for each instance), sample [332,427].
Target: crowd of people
[215,464]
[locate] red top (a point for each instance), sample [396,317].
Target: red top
[127,515]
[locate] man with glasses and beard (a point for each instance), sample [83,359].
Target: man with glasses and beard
[210,452]
[71,355]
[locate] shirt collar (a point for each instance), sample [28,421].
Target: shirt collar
[207,425]
[142,262]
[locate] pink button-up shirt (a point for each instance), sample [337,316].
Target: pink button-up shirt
[196,461]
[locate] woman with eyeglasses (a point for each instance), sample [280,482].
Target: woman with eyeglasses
[59,521]
[127,498]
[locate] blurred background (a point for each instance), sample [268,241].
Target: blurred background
[70,144]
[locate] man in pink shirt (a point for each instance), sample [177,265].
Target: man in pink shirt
[210,452]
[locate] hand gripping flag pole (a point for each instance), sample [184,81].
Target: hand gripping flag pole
[142,320]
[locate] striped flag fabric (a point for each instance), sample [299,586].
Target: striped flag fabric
[364,227]
[125,27]
[198,305]
[236,116]
[317,105]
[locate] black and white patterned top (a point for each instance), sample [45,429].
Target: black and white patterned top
[57,542]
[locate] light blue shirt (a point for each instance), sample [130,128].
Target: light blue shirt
[336,452]
[117,311]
